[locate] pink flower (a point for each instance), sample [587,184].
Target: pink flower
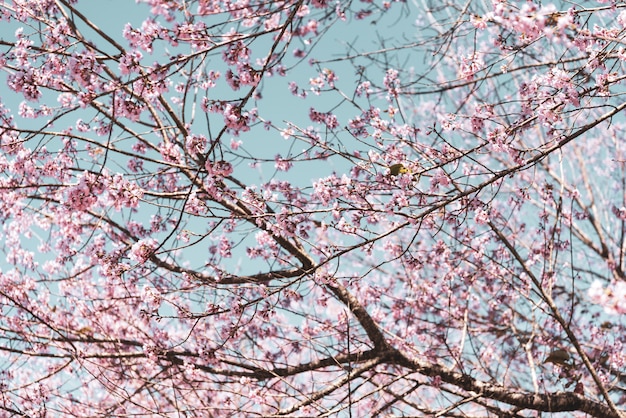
[142,250]
[481,216]
[129,62]
[282,164]
[153,298]
[612,298]
[219,168]
[195,144]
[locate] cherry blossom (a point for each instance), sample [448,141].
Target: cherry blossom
[202,211]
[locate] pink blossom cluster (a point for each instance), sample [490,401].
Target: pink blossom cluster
[123,193]
[325,78]
[142,250]
[611,298]
[327,118]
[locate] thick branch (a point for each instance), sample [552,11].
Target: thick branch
[373,332]
[545,402]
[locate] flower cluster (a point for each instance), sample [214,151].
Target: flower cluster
[612,298]
[123,193]
[142,250]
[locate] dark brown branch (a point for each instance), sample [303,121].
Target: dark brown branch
[546,402]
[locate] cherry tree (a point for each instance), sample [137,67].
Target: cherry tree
[313,208]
